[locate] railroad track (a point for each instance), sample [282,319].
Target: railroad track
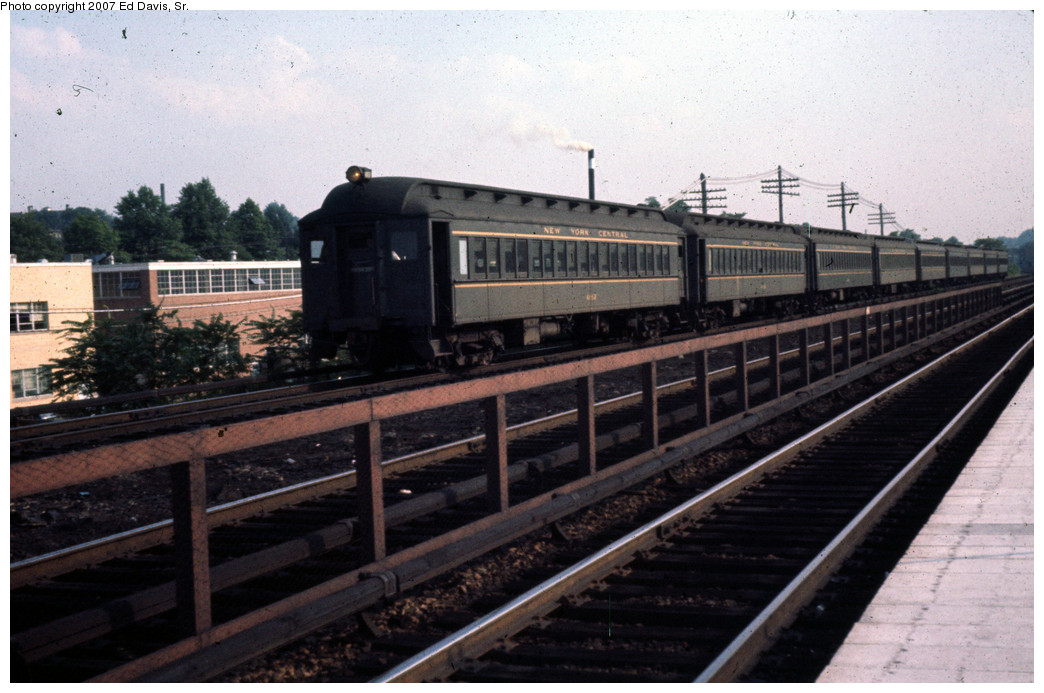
[91,621]
[75,430]
[700,592]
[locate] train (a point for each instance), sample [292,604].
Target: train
[403,270]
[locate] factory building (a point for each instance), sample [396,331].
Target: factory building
[43,295]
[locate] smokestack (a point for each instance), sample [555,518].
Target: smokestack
[590,173]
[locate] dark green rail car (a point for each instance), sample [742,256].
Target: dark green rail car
[958,261]
[743,265]
[896,262]
[457,272]
[843,263]
[931,262]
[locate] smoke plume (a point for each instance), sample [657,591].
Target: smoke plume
[525,130]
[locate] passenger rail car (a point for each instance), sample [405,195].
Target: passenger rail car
[738,266]
[406,270]
[455,273]
[931,263]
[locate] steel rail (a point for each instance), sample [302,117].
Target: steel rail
[440,660]
[741,654]
[236,641]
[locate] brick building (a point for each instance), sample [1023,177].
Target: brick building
[43,295]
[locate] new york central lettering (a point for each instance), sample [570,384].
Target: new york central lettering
[577,232]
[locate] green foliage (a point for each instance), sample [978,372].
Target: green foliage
[284,225]
[1024,257]
[285,338]
[32,241]
[90,234]
[989,243]
[109,357]
[906,233]
[652,202]
[250,228]
[147,230]
[204,218]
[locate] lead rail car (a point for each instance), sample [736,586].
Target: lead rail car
[407,270]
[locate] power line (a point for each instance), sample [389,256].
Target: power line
[849,198]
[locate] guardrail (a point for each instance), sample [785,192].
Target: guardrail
[882,328]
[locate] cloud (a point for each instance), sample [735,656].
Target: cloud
[43,43]
[277,84]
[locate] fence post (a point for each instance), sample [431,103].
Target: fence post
[496,453]
[650,406]
[370,486]
[191,546]
[585,424]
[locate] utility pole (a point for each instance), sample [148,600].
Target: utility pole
[704,198]
[882,217]
[844,201]
[777,187]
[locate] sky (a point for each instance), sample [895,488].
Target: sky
[929,114]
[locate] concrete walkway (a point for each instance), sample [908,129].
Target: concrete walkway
[959,605]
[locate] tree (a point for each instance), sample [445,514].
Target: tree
[31,240]
[252,232]
[1024,256]
[147,230]
[204,220]
[108,357]
[284,226]
[206,352]
[652,202]
[287,347]
[989,243]
[90,234]
[906,233]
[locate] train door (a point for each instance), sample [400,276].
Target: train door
[695,286]
[358,254]
[405,282]
[441,273]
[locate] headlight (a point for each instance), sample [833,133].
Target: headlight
[358,174]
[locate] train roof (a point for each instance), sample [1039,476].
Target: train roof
[386,197]
[722,226]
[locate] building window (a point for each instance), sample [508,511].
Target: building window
[29,317]
[216,281]
[31,382]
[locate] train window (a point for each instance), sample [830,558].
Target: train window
[603,258]
[660,257]
[463,256]
[549,258]
[508,247]
[402,245]
[493,258]
[571,258]
[614,259]
[523,257]
[632,259]
[359,240]
[560,258]
[584,259]
[317,251]
[478,254]
[592,249]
